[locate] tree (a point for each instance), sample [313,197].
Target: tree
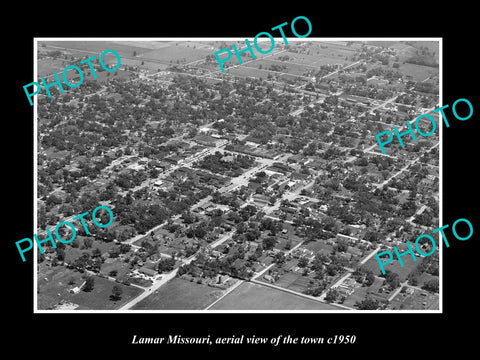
[279,258]
[269,242]
[370,278]
[89,284]
[113,273]
[332,269]
[367,304]
[96,252]
[60,254]
[116,293]
[391,278]
[124,248]
[371,236]
[331,296]
[431,285]
[302,262]
[87,242]
[166,265]
[342,246]
[288,244]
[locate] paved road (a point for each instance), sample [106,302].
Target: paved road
[370,255]
[156,285]
[171,275]
[397,291]
[228,291]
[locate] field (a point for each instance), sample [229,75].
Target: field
[418,72]
[72,253]
[57,287]
[182,53]
[293,281]
[318,245]
[291,67]
[46,67]
[95,47]
[394,266]
[180,294]
[250,296]
[115,264]
[315,60]
[249,71]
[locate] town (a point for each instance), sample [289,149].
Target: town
[260,187]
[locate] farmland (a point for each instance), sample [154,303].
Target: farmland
[418,72]
[180,294]
[177,53]
[250,296]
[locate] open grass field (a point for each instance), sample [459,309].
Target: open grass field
[53,285]
[99,297]
[180,294]
[115,264]
[46,67]
[318,245]
[314,59]
[394,266]
[250,296]
[249,70]
[291,68]
[152,45]
[293,281]
[418,72]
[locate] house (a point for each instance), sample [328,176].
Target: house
[354,251]
[205,140]
[238,264]
[269,278]
[75,290]
[261,199]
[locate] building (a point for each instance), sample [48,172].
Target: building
[147,271]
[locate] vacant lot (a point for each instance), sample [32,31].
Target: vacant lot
[180,294]
[249,296]
[318,245]
[293,281]
[99,297]
[394,266]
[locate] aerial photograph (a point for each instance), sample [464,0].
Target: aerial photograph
[260,188]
